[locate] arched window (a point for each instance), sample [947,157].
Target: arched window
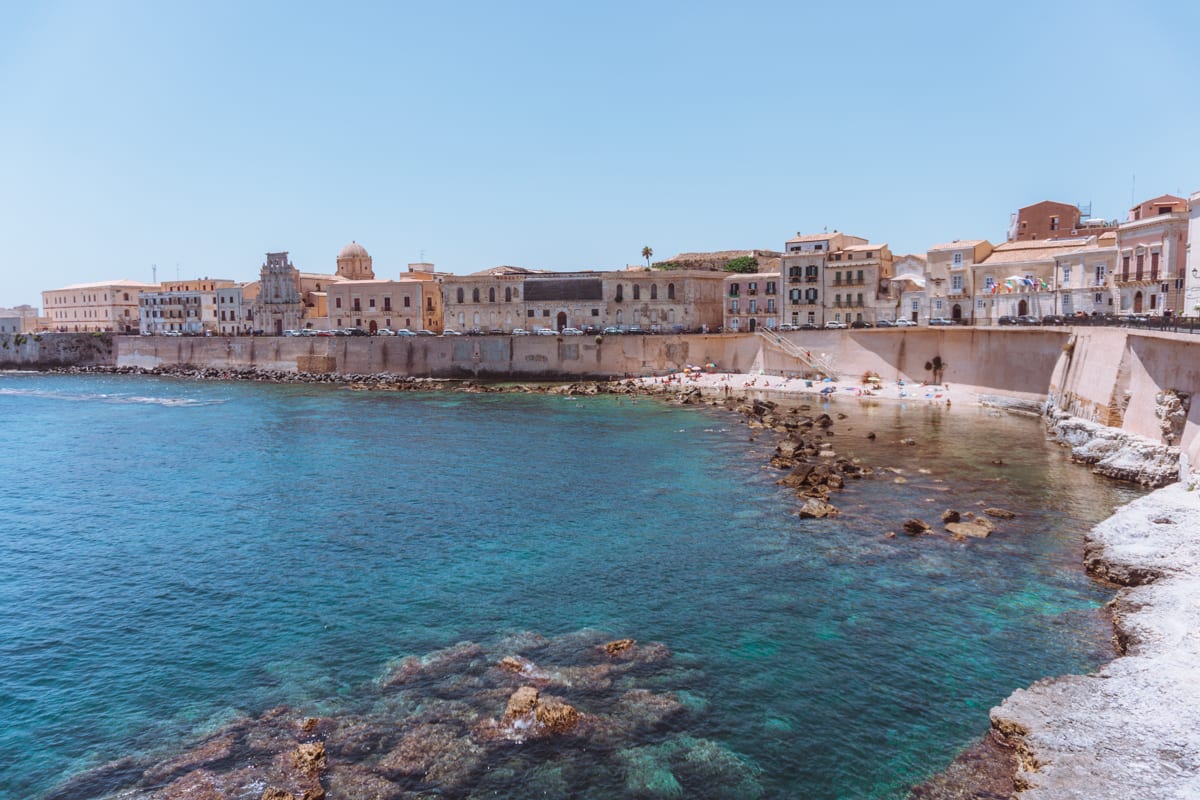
[507,294]
[516,294]
[491,294]
[654,291]
[460,294]
[670,291]
[637,292]
[620,292]
[475,295]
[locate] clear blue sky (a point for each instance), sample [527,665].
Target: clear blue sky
[563,135]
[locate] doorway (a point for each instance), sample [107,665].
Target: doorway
[753,324]
[956,312]
[1022,308]
[1137,303]
[374,327]
[562,320]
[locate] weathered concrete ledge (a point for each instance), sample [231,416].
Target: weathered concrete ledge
[1132,729]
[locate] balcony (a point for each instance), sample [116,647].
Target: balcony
[811,278]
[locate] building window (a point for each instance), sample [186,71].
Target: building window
[670,291]
[916,304]
[937,304]
[620,292]
[460,295]
[956,284]
[337,303]
[733,306]
[491,294]
[958,259]
[979,302]
[474,295]
[529,313]
[654,291]
[860,277]
[371,302]
[507,294]
[770,287]
[1066,276]
[1054,223]
[407,301]
[637,292]
[1098,298]
[546,312]
[387,302]
[734,289]
[770,305]
[595,312]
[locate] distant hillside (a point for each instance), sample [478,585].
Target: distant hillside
[768,260]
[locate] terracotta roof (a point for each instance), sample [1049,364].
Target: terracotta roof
[812,237]
[1038,244]
[124,282]
[957,245]
[1046,252]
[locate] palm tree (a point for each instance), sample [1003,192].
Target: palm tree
[646,253]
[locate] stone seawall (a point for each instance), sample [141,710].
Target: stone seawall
[48,350]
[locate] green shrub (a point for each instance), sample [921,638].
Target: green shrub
[742,264]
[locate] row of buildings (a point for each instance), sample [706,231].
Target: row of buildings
[1057,259]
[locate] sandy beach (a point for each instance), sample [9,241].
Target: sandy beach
[733,384]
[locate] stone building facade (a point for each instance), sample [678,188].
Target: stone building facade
[188,307]
[751,301]
[1152,252]
[110,306]
[510,298]
[413,302]
[280,305]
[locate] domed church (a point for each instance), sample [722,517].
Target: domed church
[354,263]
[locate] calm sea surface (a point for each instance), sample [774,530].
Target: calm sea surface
[173,553]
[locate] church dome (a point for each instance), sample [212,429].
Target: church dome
[352,250]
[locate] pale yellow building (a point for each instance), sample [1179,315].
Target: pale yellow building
[22,319]
[110,306]
[950,288]
[412,302]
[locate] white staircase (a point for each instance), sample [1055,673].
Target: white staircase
[805,357]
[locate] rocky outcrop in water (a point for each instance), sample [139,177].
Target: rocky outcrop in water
[1114,453]
[1133,728]
[525,717]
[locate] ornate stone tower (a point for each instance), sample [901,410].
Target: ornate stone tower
[354,263]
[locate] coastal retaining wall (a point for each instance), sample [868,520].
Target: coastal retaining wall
[46,350]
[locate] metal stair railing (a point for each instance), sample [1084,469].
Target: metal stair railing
[805,357]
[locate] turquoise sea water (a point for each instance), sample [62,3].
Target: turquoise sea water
[173,553]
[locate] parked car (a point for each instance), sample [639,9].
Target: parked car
[861,323]
[405,332]
[905,323]
[885,323]
[1052,319]
[1028,319]
[385,332]
[572,332]
[424,332]
[786,327]
[520,332]
[613,330]
[291,333]
[635,329]
[808,326]
[1006,320]
[451,333]
[544,332]
[833,323]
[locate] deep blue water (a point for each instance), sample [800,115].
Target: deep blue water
[172,553]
